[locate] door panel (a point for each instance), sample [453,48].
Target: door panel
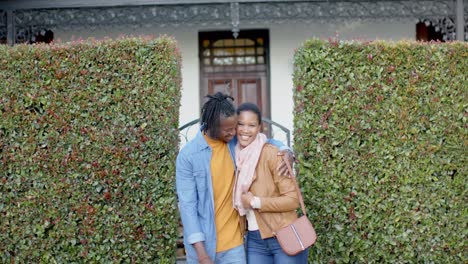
[221,85]
[242,89]
[250,91]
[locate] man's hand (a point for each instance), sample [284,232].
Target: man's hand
[246,199]
[203,257]
[205,260]
[283,168]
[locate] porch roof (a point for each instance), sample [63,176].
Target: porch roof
[19,16]
[40,4]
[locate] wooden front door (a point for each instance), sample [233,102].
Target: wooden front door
[238,67]
[243,88]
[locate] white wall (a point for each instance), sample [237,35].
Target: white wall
[284,39]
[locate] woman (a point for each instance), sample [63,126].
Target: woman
[267,199]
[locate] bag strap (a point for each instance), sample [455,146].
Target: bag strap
[293,177]
[298,190]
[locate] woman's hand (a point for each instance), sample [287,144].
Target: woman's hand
[246,199]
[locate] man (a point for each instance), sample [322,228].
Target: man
[205,175]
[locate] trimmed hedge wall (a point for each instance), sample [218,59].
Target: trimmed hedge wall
[88,137]
[381,135]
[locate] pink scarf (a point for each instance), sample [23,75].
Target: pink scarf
[246,161]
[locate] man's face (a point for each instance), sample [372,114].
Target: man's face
[227,128]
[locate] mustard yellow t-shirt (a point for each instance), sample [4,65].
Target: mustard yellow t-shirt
[226,217]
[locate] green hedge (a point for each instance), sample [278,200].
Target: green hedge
[88,137]
[381,135]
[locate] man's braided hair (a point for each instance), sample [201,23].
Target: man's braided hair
[218,106]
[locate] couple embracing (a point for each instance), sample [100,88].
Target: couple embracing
[232,183]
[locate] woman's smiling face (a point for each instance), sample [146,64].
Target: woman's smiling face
[248,126]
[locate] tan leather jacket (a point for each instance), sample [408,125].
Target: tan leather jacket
[277,193]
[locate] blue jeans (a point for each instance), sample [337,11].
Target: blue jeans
[267,251]
[234,255]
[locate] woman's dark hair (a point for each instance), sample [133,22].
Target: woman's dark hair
[218,105]
[250,107]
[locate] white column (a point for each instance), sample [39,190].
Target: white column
[10,28]
[460,24]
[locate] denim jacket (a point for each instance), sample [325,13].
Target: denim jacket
[195,194]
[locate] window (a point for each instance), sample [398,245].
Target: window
[228,51]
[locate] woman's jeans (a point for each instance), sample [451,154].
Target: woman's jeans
[267,251]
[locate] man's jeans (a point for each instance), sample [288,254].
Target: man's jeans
[263,251]
[234,255]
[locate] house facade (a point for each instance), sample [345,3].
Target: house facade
[242,47]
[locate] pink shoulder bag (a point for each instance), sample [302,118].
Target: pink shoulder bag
[298,235]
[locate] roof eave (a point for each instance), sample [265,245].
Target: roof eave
[39,4]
